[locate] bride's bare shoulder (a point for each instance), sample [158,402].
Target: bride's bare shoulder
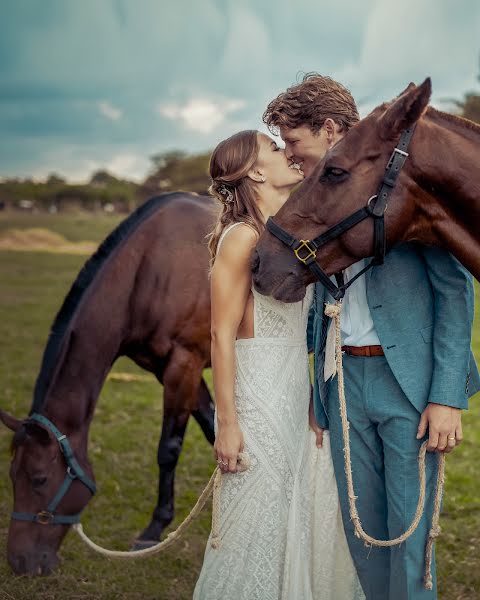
[238,241]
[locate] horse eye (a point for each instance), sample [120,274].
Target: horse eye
[37,482]
[333,175]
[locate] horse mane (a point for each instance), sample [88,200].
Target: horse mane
[454,119]
[60,328]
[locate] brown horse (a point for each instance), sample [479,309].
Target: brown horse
[144,294]
[436,200]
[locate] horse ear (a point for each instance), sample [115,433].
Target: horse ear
[405,110]
[409,87]
[11,422]
[39,433]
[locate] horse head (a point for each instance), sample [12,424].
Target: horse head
[342,183]
[38,470]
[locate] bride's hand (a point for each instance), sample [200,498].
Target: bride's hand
[315,426]
[228,443]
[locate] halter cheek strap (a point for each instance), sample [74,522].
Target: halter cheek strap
[306,250]
[74,471]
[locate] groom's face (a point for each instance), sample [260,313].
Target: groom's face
[304,146]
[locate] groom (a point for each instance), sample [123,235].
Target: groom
[406,331]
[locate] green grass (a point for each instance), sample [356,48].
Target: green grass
[124,438]
[75,227]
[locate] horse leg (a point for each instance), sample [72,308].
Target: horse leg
[204,412]
[181,381]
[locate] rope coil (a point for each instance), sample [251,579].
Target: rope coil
[334,311]
[214,485]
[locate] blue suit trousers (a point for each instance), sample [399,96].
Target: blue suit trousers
[383,427]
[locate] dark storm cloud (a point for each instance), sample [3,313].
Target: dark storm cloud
[89,84]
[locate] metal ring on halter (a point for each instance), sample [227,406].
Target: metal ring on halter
[44,517]
[369,203]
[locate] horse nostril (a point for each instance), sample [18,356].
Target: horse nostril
[255,264]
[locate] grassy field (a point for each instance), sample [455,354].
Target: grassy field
[123,444]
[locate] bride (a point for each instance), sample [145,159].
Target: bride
[281,535]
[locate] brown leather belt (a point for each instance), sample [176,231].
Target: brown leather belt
[363,350]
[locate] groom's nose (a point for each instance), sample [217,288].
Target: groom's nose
[288,151]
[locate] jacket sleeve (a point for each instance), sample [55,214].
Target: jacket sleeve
[452,287]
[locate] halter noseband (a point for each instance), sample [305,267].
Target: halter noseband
[306,250]
[74,471]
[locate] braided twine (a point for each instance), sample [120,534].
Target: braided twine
[334,311]
[213,485]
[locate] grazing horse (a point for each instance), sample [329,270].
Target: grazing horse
[144,294]
[436,199]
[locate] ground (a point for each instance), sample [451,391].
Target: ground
[124,438]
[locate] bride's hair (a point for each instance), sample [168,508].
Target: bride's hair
[230,163]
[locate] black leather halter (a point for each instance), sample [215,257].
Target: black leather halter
[306,250]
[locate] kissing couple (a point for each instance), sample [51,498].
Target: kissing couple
[285,530]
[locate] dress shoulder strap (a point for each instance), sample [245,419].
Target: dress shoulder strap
[226,230]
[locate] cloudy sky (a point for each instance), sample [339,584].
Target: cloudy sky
[107,83]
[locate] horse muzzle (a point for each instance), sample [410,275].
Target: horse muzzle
[34,563]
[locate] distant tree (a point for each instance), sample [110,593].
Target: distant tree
[469,107]
[54,179]
[176,171]
[102,178]
[167,159]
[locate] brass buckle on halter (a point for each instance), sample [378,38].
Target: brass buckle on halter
[44,517]
[311,251]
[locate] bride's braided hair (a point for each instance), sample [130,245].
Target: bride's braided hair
[230,163]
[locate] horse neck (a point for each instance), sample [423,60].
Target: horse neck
[444,160]
[90,347]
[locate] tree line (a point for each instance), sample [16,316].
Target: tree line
[170,171]
[174,170]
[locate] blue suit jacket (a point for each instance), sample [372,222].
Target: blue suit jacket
[421,301]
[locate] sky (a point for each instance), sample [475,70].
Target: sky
[106,84]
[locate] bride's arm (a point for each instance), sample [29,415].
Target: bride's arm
[230,288]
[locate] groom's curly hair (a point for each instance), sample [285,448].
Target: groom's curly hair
[310,102]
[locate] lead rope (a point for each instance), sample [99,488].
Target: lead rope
[334,311]
[214,484]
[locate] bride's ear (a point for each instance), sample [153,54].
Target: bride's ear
[256,175]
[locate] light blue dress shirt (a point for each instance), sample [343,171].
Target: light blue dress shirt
[356,322]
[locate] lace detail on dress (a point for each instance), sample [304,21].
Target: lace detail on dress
[267,513]
[275,319]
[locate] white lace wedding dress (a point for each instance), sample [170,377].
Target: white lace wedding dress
[281,534]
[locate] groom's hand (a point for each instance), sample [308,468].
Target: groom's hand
[444,424]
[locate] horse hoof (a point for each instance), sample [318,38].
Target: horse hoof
[142,544]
